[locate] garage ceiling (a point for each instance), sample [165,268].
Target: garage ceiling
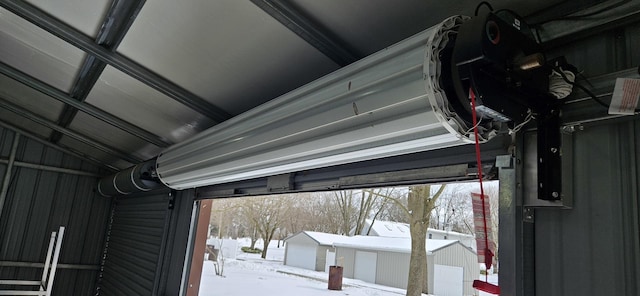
[117,81]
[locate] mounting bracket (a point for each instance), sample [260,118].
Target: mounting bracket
[555,170]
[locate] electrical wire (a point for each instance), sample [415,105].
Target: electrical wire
[471,129]
[586,90]
[485,3]
[585,79]
[558,87]
[580,86]
[518,127]
[539,39]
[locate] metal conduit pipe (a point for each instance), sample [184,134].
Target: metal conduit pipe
[56,146]
[138,178]
[49,168]
[41,265]
[7,173]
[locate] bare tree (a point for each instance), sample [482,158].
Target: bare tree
[492,191]
[453,210]
[224,220]
[218,258]
[420,204]
[266,214]
[346,205]
[395,211]
[303,214]
[356,207]
[326,212]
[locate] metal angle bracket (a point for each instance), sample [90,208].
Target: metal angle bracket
[528,215]
[172,200]
[548,165]
[279,183]
[548,155]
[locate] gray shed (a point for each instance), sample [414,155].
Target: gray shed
[383,260]
[308,249]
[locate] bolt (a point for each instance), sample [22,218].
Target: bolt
[569,129]
[555,194]
[540,185]
[554,150]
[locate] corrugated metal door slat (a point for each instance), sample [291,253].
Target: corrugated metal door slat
[136,233]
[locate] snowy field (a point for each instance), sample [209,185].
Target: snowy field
[249,274]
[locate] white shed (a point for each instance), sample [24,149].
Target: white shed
[466,239]
[308,249]
[398,229]
[384,260]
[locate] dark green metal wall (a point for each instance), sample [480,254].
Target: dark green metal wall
[37,203]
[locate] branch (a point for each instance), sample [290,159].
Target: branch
[392,199]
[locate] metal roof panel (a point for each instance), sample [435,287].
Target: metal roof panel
[16,120]
[84,15]
[112,136]
[230,53]
[143,106]
[38,53]
[28,98]
[371,25]
[83,148]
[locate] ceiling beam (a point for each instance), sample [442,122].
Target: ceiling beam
[58,147]
[96,112]
[67,132]
[129,67]
[558,32]
[307,30]
[114,27]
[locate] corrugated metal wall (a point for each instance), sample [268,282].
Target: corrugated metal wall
[134,244]
[38,202]
[458,255]
[147,243]
[347,257]
[594,248]
[321,257]
[393,269]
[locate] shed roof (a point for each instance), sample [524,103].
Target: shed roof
[386,228]
[398,229]
[392,244]
[323,239]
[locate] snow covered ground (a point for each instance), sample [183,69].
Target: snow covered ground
[249,274]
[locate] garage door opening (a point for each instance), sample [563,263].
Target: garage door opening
[279,244]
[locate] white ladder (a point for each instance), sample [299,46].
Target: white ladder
[46,284]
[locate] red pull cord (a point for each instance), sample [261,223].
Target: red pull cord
[488,256]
